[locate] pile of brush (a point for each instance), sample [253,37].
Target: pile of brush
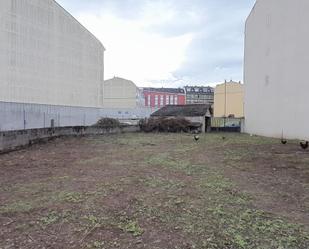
[165,125]
[108,123]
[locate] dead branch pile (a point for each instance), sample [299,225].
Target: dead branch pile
[108,123]
[165,125]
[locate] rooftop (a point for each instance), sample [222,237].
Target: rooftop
[183,111]
[199,89]
[165,90]
[231,82]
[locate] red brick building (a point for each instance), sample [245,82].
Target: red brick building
[159,97]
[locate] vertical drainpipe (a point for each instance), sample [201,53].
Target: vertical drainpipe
[225,103]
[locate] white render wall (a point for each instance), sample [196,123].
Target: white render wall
[120,93]
[19,116]
[47,57]
[276,69]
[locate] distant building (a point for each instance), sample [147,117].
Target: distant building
[140,98]
[197,114]
[121,93]
[276,69]
[159,97]
[229,100]
[199,95]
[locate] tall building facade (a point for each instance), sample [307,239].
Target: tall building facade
[47,56]
[199,95]
[159,97]
[121,93]
[229,100]
[276,69]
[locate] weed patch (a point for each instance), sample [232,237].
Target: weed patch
[131,227]
[16,207]
[72,197]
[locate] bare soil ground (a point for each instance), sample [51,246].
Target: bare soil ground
[156,191]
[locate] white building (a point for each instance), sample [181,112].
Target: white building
[276,69]
[47,57]
[51,69]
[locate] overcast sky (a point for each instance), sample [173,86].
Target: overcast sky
[168,43]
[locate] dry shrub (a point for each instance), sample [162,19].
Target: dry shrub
[108,123]
[165,125]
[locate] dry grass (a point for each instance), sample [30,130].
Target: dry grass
[156,191]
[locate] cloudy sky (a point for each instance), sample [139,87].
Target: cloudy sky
[167,42]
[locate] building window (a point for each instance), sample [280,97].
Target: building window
[167,100]
[172,100]
[149,100]
[161,100]
[156,100]
[176,100]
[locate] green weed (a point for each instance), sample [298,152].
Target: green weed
[16,207]
[132,227]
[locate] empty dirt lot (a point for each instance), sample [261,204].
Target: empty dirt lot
[162,191]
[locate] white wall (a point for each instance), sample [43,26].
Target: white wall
[15,116]
[47,57]
[120,93]
[276,69]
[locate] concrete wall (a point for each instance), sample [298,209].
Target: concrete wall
[12,140]
[47,57]
[17,116]
[276,69]
[229,100]
[121,93]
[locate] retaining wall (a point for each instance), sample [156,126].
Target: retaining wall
[12,140]
[21,116]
